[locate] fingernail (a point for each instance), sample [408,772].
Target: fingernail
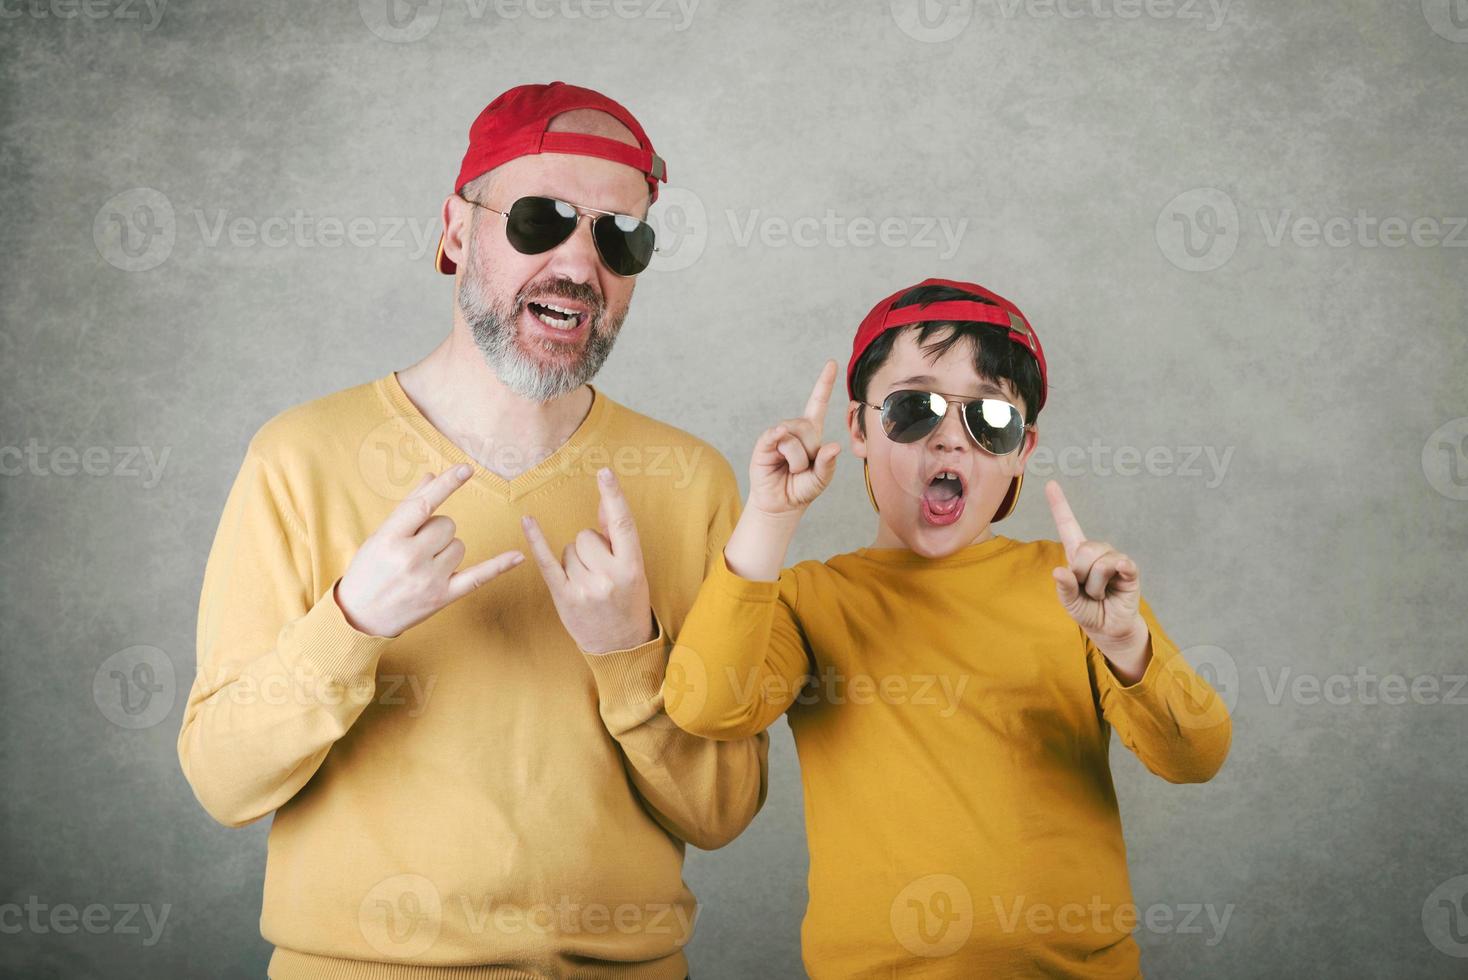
[604,475]
[463,471]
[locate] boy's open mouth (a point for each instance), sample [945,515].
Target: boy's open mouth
[943,498]
[556,317]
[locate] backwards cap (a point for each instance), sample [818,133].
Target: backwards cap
[998,311]
[514,125]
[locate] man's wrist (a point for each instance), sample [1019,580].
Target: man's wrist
[648,636]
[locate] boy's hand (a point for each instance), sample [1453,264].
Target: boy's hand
[601,590]
[1102,591]
[790,467]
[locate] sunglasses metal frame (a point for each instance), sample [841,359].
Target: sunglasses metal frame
[949,401]
[582,211]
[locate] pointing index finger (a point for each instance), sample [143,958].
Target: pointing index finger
[1071,535]
[820,396]
[550,567]
[410,513]
[621,525]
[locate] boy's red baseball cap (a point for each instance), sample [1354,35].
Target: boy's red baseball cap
[997,311]
[514,125]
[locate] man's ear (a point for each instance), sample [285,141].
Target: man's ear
[858,441]
[456,220]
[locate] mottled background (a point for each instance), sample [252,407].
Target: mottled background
[1239,228]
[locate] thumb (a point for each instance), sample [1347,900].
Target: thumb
[1066,586]
[826,461]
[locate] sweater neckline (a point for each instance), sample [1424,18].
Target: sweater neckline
[559,463]
[966,555]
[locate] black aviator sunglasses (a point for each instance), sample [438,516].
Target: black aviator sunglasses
[908,415]
[538,224]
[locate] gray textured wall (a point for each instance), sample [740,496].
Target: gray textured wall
[1153,182]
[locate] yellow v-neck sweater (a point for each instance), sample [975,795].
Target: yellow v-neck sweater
[952,724]
[475,798]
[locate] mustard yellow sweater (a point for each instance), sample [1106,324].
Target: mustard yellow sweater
[952,724]
[475,798]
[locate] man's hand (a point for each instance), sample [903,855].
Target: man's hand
[1102,592]
[599,586]
[405,572]
[790,467]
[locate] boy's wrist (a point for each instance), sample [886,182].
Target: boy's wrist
[756,549]
[773,522]
[1128,656]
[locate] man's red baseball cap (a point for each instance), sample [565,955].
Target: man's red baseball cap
[997,311]
[514,125]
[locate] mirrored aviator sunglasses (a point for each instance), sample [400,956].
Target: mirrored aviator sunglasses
[538,224]
[996,426]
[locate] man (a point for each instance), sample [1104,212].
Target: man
[470,765]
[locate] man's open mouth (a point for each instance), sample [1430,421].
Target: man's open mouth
[556,317]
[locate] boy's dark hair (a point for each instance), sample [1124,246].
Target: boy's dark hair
[995,356]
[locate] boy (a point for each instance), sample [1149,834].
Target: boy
[951,716]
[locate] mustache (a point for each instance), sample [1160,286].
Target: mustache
[563,288]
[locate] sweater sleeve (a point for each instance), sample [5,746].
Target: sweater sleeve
[281,674]
[1171,718]
[701,791]
[742,657]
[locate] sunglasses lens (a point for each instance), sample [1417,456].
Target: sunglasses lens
[624,243]
[995,425]
[908,416]
[539,224]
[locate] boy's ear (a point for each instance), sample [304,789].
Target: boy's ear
[1021,458]
[858,441]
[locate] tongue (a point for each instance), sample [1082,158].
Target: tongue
[942,490]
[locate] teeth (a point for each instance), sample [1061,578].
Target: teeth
[557,309]
[558,324]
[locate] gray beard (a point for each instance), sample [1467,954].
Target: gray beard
[497,335]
